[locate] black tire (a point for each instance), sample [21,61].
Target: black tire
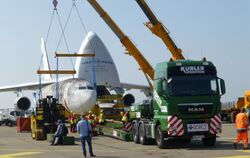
[135,133]
[184,141]
[210,141]
[142,135]
[159,138]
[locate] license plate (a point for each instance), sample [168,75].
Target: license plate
[197,137]
[197,127]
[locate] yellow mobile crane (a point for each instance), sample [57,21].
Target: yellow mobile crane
[159,30]
[132,49]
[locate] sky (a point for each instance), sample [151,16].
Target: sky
[217,30]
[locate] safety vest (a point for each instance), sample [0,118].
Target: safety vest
[241,121]
[74,120]
[125,117]
[101,118]
[91,119]
[70,119]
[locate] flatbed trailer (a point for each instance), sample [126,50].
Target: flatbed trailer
[115,130]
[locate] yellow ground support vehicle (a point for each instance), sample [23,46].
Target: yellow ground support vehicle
[43,121]
[229,113]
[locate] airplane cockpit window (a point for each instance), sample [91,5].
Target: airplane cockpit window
[86,87]
[82,87]
[90,87]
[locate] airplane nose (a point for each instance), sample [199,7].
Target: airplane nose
[84,101]
[89,98]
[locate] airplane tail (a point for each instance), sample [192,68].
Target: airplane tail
[105,70]
[45,61]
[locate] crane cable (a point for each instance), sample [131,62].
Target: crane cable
[82,23]
[91,44]
[47,36]
[63,28]
[63,32]
[55,2]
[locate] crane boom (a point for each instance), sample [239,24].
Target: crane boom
[133,50]
[159,30]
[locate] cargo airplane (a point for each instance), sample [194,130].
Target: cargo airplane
[77,93]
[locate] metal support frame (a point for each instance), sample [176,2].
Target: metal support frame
[57,71]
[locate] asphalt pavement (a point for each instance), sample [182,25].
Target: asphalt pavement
[21,145]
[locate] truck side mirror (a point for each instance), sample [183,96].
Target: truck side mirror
[222,86]
[165,88]
[159,87]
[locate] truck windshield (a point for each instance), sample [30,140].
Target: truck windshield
[195,85]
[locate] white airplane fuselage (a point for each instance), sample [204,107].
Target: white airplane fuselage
[76,95]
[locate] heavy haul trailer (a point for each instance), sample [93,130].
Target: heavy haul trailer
[186,94]
[116,130]
[43,121]
[185,105]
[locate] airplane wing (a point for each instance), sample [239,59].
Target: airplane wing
[128,86]
[46,78]
[25,86]
[31,85]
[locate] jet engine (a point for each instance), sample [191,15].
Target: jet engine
[22,103]
[128,99]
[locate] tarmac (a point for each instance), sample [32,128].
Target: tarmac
[21,145]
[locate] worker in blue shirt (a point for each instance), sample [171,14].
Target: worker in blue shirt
[84,129]
[58,135]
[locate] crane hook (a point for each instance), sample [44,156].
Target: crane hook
[55,2]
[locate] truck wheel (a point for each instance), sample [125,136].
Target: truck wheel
[159,138]
[142,135]
[135,133]
[210,141]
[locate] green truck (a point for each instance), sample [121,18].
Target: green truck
[185,104]
[185,101]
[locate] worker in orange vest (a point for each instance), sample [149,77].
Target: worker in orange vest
[241,123]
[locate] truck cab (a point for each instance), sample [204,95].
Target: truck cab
[185,104]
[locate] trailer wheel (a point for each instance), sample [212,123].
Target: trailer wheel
[142,135]
[210,141]
[160,138]
[135,133]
